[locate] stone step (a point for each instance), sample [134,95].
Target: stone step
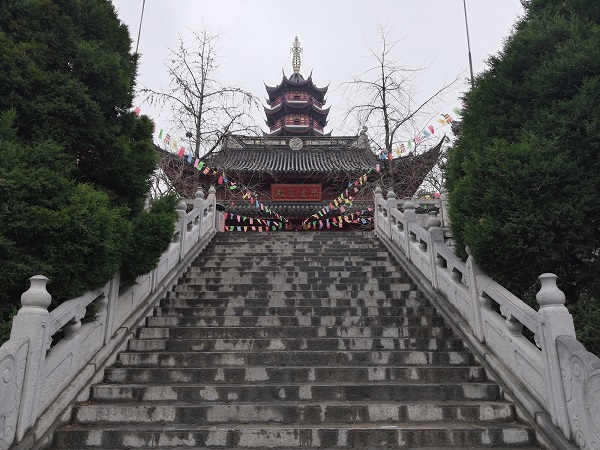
[244,393]
[290,321]
[234,301]
[290,271]
[305,311]
[318,344]
[300,254]
[349,436]
[294,358]
[180,300]
[296,412]
[292,332]
[290,340]
[250,249]
[283,279]
[334,298]
[317,373]
[298,290]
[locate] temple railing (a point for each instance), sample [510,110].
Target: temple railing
[551,376]
[38,383]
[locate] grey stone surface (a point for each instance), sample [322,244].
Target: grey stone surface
[295,340]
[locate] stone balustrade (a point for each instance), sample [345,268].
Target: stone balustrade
[550,375]
[38,383]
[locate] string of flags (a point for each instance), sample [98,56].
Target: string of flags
[343,200]
[340,203]
[419,138]
[338,221]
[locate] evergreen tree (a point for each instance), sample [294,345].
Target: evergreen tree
[75,162]
[524,176]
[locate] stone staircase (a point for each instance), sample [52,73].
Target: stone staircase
[286,340]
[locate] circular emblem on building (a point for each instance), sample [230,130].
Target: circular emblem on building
[296,143]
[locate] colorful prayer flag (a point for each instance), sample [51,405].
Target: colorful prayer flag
[181,151]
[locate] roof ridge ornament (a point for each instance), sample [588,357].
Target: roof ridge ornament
[296,50]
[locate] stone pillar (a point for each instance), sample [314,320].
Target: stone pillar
[199,207]
[181,228]
[377,209]
[554,320]
[410,216]
[32,322]
[212,201]
[112,305]
[473,271]
[435,234]
[444,208]
[392,204]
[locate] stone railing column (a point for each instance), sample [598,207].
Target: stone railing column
[378,198]
[211,199]
[444,208]
[554,320]
[473,271]
[199,206]
[181,228]
[410,216]
[112,305]
[392,204]
[435,234]
[32,322]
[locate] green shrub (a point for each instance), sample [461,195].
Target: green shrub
[524,175]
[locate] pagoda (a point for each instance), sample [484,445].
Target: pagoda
[296,104]
[296,170]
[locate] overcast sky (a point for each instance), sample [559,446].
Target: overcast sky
[256,36]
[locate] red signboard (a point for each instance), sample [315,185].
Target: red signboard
[296,192]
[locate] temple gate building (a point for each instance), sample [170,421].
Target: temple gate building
[297,176]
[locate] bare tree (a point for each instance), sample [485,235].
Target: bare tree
[384,98]
[204,110]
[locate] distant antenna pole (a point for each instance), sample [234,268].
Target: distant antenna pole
[137,45]
[296,50]
[468,43]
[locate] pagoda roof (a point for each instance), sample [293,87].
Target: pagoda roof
[296,107]
[319,155]
[308,160]
[296,81]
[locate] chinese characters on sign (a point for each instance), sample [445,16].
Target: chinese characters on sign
[296,192]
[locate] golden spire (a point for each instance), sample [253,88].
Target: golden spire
[296,50]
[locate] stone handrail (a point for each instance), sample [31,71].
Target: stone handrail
[554,379]
[38,383]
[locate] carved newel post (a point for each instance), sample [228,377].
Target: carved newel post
[435,234]
[211,200]
[181,209]
[391,198]
[199,199]
[392,204]
[444,208]
[378,208]
[409,216]
[32,322]
[199,206]
[473,271]
[554,320]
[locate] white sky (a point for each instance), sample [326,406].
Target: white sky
[256,36]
